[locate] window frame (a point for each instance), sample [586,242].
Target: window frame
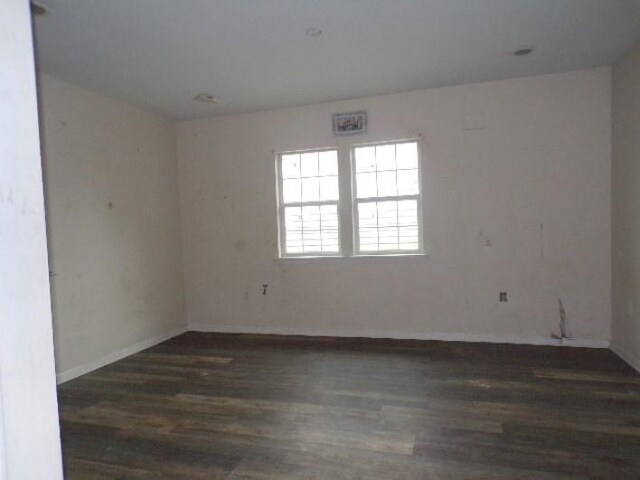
[355,201]
[282,234]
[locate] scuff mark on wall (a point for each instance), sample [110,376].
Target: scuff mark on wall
[562,326]
[483,239]
[542,242]
[8,198]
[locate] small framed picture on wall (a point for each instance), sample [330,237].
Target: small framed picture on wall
[349,123]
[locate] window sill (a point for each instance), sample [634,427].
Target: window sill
[404,257]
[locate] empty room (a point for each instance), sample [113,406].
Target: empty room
[319,239]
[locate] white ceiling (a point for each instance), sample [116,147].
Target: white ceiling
[254,54]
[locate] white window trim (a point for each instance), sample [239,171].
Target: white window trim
[355,201]
[282,236]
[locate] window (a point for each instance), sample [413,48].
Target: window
[387,198]
[308,203]
[386,210]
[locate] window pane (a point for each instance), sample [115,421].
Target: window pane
[365,159]
[309,164]
[388,225]
[291,166]
[408,182]
[408,238]
[328,188]
[386,157]
[408,234]
[368,215]
[329,228]
[311,217]
[387,186]
[369,246]
[366,185]
[387,214]
[407,155]
[293,229]
[383,173]
[310,177]
[368,226]
[408,213]
[310,189]
[291,190]
[312,229]
[328,163]
[388,238]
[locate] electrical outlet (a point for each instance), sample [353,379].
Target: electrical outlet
[503,296]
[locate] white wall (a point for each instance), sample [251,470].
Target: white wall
[3,460]
[112,200]
[29,431]
[626,208]
[535,182]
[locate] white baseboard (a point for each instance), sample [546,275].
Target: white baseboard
[115,356]
[626,355]
[449,337]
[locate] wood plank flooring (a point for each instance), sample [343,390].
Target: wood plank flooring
[212,406]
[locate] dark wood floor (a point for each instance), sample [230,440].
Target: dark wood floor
[207,406]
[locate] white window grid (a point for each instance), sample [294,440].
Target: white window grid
[355,202]
[282,206]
